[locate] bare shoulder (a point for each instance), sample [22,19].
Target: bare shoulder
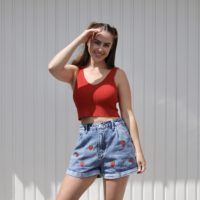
[65,74]
[72,68]
[120,77]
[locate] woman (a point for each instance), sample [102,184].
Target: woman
[108,144]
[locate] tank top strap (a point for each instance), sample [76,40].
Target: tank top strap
[80,73]
[112,73]
[78,78]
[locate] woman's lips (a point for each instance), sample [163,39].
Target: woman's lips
[98,54]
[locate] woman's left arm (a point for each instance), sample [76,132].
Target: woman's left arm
[125,105]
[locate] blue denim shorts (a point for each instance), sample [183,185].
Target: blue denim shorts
[104,149]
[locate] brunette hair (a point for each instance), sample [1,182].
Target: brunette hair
[84,56]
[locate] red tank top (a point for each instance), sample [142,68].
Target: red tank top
[96,100]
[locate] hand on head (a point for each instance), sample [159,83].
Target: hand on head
[89,34]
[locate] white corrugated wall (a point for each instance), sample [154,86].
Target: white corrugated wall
[159,48]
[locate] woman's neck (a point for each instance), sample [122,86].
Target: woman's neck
[97,64]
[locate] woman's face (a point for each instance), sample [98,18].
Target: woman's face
[99,46]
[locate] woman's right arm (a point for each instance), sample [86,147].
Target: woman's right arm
[58,67]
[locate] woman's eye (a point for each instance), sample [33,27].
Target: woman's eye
[97,42]
[106,45]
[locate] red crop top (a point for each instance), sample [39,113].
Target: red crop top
[96,100]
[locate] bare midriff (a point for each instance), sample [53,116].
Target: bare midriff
[87,120]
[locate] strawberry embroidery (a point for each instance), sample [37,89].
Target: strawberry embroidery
[82,163]
[122,142]
[90,147]
[131,160]
[112,164]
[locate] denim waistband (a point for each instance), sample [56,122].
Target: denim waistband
[105,124]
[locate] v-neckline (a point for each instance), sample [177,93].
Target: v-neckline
[98,82]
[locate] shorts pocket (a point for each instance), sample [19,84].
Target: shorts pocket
[82,132]
[123,130]
[125,139]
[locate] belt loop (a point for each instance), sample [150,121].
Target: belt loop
[85,127]
[88,127]
[113,125]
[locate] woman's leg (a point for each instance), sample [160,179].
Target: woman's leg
[73,187]
[114,189]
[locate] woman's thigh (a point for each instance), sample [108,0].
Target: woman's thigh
[114,189]
[73,187]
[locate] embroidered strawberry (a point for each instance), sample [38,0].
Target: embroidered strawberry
[82,163]
[122,142]
[131,160]
[112,164]
[76,154]
[90,147]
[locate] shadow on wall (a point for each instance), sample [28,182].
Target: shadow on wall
[41,173]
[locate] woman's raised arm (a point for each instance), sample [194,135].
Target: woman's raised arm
[58,66]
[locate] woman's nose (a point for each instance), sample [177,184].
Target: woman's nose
[100,49]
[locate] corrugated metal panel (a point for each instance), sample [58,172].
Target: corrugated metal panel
[158,48]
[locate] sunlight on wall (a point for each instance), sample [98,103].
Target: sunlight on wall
[18,188]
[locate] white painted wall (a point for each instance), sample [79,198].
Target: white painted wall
[159,42]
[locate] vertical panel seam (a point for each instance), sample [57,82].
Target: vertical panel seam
[55,13]
[176,89]
[12,126]
[23,94]
[45,92]
[187,98]
[155,88]
[165,110]
[198,95]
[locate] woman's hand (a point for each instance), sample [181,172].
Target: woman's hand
[141,162]
[87,34]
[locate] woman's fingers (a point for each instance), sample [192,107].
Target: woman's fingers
[139,167]
[94,32]
[88,34]
[141,164]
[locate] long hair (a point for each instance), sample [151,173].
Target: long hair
[84,57]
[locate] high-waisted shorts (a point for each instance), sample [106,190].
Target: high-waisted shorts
[104,149]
